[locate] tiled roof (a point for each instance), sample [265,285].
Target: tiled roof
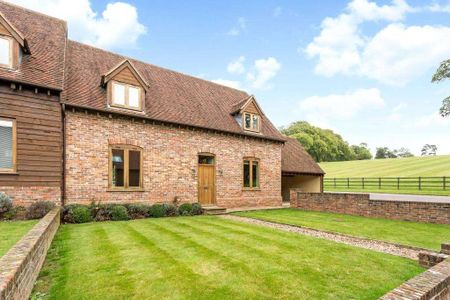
[295,159]
[46,37]
[172,97]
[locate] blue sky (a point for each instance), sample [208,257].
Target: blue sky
[360,67]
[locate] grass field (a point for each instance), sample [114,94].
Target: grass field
[11,232]
[394,167]
[422,235]
[210,258]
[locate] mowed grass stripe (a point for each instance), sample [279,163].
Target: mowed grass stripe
[12,232]
[211,258]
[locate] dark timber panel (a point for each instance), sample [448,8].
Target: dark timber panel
[39,137]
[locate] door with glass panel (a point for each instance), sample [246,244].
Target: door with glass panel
[206,179]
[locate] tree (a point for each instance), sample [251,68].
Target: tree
[324,144]
[428,149]
[442,73]
[403,152]
[384,152]
[361,151]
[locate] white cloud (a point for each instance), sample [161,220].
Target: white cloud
[237,66]
[240,27]
[432,120]
[394,55]
[230,83]
[264,70]
[117,27]
[436,7]
[321,109]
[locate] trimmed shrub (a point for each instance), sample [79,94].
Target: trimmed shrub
[185,209]
[157,211]
[101,212]
[170,210]
[138,211]
[81,214]
[197,209]
[119,213]
[5,203]
[39,209]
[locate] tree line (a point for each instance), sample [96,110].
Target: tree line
[326,145]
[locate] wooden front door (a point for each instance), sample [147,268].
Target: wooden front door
[207,181]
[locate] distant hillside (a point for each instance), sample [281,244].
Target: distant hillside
[413,166]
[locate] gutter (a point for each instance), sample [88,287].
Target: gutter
[63,184]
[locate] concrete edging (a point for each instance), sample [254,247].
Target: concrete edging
[20,266]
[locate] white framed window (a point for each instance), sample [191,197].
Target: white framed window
[7,145]
[126,96]
[5,51]
[252,122]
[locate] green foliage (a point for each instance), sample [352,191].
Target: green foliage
[157,211]
[39,209]
[170,209]
[196,209]
[138,211]
[80,214]
[185,209]
[442,73]
[361,151]
[428,150]
[119,213]
[5,203]
[324,144]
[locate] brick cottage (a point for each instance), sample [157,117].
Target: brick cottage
[80,124]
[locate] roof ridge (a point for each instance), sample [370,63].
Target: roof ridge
[32,11]
[159,67]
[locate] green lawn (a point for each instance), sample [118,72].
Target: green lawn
[208,257]
[422,235]
[12,232]
[397,167]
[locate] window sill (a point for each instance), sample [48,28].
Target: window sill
[251,189]
[126,190]
[8,173]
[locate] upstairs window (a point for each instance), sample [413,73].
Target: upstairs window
[126,96]
[251,173]
[251,122]
[5,52]
[125,164]
[7,145]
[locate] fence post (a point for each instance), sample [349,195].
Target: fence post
[362,182]
[398,183]
[420,183]
[379,183]
[348,182]
[444,184]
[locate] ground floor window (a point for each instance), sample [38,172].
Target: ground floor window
[7,145]
[125,167]
[251,173]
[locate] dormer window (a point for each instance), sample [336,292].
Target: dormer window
[5,52]
[126,96]
[251,122]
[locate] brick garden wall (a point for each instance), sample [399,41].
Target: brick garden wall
[20,266]
[170,157]
[361,205]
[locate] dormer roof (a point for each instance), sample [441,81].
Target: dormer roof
[125,64]
[16,34]
[242,105]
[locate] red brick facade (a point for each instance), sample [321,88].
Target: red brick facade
[361,205]
[26,195]
[170,156]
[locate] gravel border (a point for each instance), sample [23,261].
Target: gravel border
[379,246]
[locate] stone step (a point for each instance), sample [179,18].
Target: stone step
[214,210]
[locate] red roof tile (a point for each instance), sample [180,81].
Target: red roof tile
[295,159]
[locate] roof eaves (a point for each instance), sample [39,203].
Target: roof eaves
[16,34]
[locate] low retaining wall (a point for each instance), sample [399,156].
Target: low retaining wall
[361,205]
[20,266]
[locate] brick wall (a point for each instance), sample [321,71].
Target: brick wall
[170,156]
[26,195]
[361,205]
[20,266]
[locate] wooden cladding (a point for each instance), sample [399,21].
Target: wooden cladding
[38,138]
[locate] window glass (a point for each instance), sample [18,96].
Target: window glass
[206,160]
[5,51]
[246,173]
[134,168]
[255,122]
[6,144]
[118,94]
[247,121]
[255,174]
[118,161]
[133,96]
